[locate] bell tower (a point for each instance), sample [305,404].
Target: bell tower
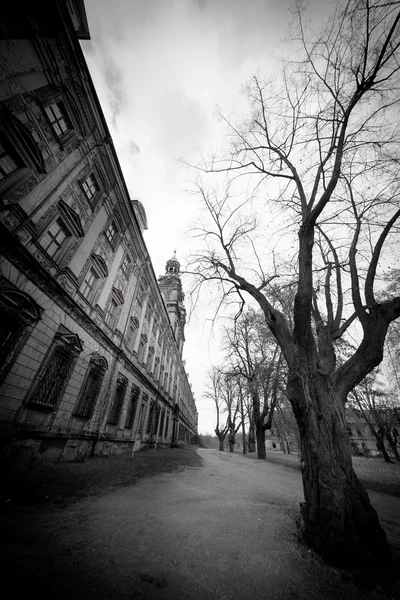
[171,290]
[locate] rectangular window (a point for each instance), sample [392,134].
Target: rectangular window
[125,265]
[53,239]
[8,164]
[53,379]
[130,417]
[141,416]
[89,284]
[111,234]
[58,118]
[111,315]
[118,401]
[90,187]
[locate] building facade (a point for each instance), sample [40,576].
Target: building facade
[90,354]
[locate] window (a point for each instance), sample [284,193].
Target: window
[111,315]
[18,315]
[118,400]
[130,417]
[53,239]
[90,187]
[8,162]
[166,427]
[89,285]
[162,424]
[54,374]
[150,419]
[111,234]
[91,387]
[141,415]
[125,265]
[58,118]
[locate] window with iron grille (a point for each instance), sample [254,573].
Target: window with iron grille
[54,237]
[91,388]
[57,115]
[125,265]
[90,187]
[130,417]
[8,162]
[150,419]
[18,315]
[89,284]
[54,378]
[162,424]
[166,427]
[118,400]
[141,415]
[157,420]
[111,234]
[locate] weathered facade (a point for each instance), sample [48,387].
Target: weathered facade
[90,360]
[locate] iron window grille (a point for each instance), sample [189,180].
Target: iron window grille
[55,373]
[162,424]
[150,419]
[18,315]
[130,417]
[166,427]
[91,387]
[54,237]
[118,400]
[57,115]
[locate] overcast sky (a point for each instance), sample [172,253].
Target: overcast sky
[160,68]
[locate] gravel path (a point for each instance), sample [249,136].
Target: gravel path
[220,531]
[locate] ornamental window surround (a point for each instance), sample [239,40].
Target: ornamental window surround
[113,309]
[53,375]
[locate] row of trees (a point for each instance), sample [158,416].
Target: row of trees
[319,155]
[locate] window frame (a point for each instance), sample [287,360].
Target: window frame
[118,400]
[92,200]
[93,290]
[114,238]
[89,394]
[70,131]
[46,231]
[128,262]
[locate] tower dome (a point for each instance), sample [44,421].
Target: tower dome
[172,266]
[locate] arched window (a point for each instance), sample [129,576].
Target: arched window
[91,386]
[18,315]
[118,400]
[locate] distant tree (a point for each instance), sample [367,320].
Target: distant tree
[221,390]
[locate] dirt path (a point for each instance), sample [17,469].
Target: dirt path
[219,531]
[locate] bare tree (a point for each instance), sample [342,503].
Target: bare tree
[256,357]
[380,411]
[222,389]
[322,148]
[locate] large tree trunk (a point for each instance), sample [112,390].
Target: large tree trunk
[221,444]
[260,437]
[251,438]
[339,521]
[231,441]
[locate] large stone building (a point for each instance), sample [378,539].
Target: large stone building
[91,355]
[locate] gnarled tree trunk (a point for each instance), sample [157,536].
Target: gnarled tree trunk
[260,437]
[339,521]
